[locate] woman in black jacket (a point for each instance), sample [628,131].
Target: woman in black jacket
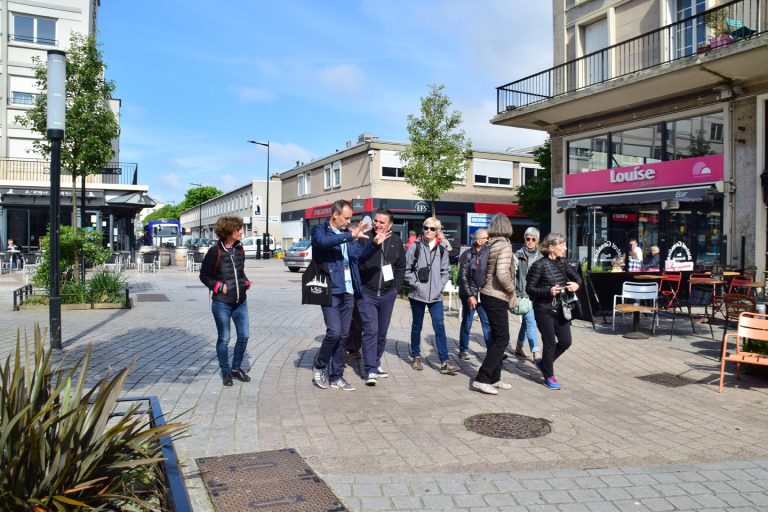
[547,279]
[222,271]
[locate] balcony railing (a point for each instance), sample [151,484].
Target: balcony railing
[31,171]
[706,31]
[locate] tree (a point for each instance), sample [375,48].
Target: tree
[535,197]
[436,157]
[166,212]
[195,196]
[91,125]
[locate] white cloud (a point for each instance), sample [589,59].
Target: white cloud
[346,78]
[476,123]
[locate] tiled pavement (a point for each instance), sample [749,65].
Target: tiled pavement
[618,442]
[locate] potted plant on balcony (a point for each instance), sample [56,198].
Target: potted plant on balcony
[717,23]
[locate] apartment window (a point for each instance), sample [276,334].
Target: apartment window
[336,173]
[33,29]
[493,173]
[391,165]
[307,183]
[303,181]
[528,173]
[327,177]
[23,98]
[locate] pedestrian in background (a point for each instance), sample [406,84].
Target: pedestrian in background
[381,273]
[331,247]
[223,272]
[527,255]
[497,296]
[548,279]
[468,294]
[427,270]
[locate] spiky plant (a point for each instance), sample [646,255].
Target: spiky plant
[61,448]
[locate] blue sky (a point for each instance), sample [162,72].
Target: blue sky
[199,78]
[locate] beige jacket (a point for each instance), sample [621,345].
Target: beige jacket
[500,273]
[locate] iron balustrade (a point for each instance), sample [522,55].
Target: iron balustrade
[34,170]
[21,294]
[703,32]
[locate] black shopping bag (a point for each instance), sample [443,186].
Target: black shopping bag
[316,286]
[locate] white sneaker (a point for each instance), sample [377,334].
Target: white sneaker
[502,385]
[488,389]
[372,379]
[342,385]
[382,373]
[320,378]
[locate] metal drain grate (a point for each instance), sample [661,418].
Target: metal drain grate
[667,379]
[508,426]
[272,481]
[152,297]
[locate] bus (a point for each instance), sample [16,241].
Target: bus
[162,232]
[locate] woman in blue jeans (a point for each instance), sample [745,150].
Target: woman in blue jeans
[527,255]
[222,271]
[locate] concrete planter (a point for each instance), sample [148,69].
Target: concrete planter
[79,307]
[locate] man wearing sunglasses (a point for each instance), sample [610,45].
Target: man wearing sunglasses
[427,271]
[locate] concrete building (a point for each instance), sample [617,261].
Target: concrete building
[657,114]
[368,172]
[112,197]
[248,202]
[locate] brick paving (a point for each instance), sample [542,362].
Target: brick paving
[618,442]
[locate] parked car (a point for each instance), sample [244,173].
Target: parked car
[249,246]
[298,255]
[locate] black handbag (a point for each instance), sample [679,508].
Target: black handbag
[316,285]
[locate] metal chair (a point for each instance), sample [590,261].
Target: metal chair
[752,328]
[145,262]
[637,292]
[735,305]
[197,261]
[669,287]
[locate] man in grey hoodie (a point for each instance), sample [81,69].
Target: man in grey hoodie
[526,255]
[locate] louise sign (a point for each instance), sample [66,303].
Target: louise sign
[703,169]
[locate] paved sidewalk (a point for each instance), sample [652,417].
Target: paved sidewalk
[618,442]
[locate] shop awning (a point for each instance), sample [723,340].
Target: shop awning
[683,194]
[132,199]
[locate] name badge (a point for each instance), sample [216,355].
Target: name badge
[386,272]
[347,274]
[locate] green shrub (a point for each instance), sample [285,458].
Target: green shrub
[454,275]
[74,243]
[106,286]
[60,452]
[74,292]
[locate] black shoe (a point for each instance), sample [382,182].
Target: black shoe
[241,375]
[227,378]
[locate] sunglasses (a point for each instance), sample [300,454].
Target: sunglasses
[530,239]
[429,228]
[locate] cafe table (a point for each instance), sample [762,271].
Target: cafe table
[648,277]
[636,309]
[708,281]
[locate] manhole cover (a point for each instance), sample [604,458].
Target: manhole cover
[277,480]
[667,379]
[508,426]
[152,297]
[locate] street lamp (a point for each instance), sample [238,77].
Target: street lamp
[57,97]
[200,215]
[267,248]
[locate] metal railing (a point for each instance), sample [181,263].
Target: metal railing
[33,170]
[21,294]
[703,32]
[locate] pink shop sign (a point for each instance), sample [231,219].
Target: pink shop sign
[690,171]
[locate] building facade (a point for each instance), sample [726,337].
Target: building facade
[113,196]
[369,174]
[248,202]
[656,111]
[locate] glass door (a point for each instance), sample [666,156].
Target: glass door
[692,33]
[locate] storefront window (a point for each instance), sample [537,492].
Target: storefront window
[697,136]
[588,154]
[637,147]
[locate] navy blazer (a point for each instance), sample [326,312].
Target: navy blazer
[326,249]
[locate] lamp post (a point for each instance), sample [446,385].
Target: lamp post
[57,97]
[267,249]
[200,215]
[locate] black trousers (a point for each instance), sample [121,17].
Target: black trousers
[498,316]
[555,336]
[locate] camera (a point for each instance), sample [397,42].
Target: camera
[567,297]
[423,274]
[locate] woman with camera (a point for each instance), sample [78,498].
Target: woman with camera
[551,285]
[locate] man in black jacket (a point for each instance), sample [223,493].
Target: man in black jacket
[381,276]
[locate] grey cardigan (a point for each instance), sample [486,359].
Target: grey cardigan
[439,273]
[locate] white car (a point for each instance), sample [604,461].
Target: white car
[298,255]
[250,246]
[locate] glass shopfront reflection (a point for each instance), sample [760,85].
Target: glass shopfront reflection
[690,237]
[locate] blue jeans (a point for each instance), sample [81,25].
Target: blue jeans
[338,317]
[467,315]
[224,314]
[438,324]
[528,329]
[376,313]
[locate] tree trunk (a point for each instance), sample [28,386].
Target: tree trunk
[74,222]
[434,210]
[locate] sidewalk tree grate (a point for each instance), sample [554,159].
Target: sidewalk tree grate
[152,297]
[272,481]
[508,426]
[669,380]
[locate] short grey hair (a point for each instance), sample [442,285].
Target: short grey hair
[532,231]
[480,233]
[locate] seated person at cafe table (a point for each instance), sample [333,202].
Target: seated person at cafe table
[13,249]
[652,261]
